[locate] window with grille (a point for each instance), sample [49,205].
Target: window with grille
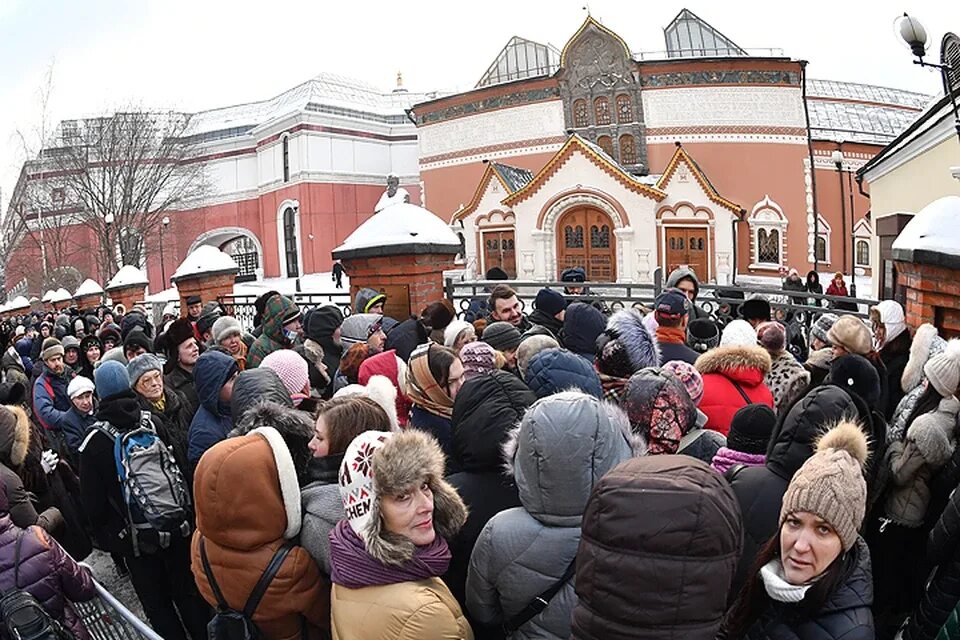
[601,108]
[290,242]
[624,109]
[821,249]
[573,237]
[599,237]
[628,150]
[863,253]
[768,246]
[286,158]
[580,117]
[606,143]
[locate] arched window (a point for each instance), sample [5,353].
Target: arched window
[290,242]
[601,110]
[768,229]
[863,253]
[628,150]
[244,252]
[580,118]
[573,237]
[624,109]
[606,143]
[821,248]
[286,158]
[768,246]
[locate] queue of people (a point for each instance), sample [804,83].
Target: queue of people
[572,473]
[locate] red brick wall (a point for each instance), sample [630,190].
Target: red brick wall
[422,274]
[932,295]
[208,287]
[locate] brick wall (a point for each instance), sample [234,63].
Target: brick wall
[932,295]
[421,274]
[208,286]
[127,296]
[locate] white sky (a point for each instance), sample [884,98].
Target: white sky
[199,54]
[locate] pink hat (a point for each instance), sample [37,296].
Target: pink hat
[290,367]
[688,375]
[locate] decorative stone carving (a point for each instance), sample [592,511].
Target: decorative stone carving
[643,266]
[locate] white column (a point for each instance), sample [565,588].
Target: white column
[624,254]
[541,255]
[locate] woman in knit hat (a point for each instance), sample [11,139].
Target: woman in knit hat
[750,432]
[812,579]
[477,358]
[90,351]
[337,423]
[434,375]
[292,371]
[787,379]
[898,535]
[228,334]
[457,334]
[387,555]
[167,405]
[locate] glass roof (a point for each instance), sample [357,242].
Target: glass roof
[521,59]
[866,92]
[689,36]
[854,122]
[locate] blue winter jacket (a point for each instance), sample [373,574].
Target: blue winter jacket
[75,426]
[554,370]
[212,421]
[50,400]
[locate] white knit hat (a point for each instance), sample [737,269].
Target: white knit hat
[79,386]
[453,331]
[738,333]
[943,370]
[356,478]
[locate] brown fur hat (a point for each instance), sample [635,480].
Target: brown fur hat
[401,463]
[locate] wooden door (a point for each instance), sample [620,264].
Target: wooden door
[585,239]
[687,247]
[499,250]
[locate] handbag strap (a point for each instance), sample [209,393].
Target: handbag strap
[743,394]
[539,603]
[221,601]
[265,579]
[16,561]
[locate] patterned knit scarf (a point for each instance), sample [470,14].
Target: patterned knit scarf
[423,389]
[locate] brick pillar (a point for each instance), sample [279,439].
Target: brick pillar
[410,281]
[208,273]
[127,295]
[932,295]
[89,301]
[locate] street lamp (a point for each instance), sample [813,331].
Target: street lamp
[837,157]
[163,269]
[915,36]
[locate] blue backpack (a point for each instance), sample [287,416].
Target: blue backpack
[155,494]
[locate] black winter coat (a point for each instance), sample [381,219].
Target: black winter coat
[405,337]
[760,489]
[181,381]
[844,616]
[943,591]
[550,323]
[485,410]
[895,356]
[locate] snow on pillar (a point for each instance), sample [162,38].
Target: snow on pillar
[89,295]
[61,299]
[208,273]
[128,287]
[402,251]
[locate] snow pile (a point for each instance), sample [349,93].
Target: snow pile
[88,288]
[128,276]
[319,283]
[61,295]
[19,302]
[400,224]
[48,296]
[205,259]
[934,229]
[167,295]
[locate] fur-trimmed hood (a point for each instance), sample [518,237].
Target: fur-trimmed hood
[933,432]
[926,344]
[564,444]
[746,364]
[379,389]
[294,427]
[627,329]
[14,436]
[401,463]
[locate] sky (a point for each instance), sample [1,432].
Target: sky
[199,54]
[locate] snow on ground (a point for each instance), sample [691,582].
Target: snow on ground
[309,283]
[103,570]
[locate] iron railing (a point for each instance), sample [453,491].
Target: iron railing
[106,618]
[241,307]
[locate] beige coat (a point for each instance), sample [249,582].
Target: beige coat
[422,610]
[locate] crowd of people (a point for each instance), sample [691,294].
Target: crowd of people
[563,473]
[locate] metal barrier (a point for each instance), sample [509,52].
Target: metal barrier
[241,307]
[106,618]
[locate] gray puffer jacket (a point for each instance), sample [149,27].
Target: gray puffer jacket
[928,446]
[563,446]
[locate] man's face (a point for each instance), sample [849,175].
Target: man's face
[226,391]
[188,352]
[72,356]
[294,326]
[376,340]
[511,357]
[507,310]
[688,288]
[574,291]
[134,351]
[392,184]
[194,310]
[84,402]
[377,308]
[55,364]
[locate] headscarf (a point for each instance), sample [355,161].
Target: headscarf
[423,389]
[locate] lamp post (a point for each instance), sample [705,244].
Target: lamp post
[837,157]
[913,33]
[163,269]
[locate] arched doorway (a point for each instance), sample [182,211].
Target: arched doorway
[585,239]
[241,244]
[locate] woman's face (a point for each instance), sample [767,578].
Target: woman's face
[376,340]
[320,444]
[150,385]
[466,336]
[93,353]
[232,344]
[454,378]
[808,546]
[410,514]
[71,356]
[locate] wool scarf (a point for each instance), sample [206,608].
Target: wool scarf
[777,586]
[726,458]
[352,567]
[671,335]
[423,389]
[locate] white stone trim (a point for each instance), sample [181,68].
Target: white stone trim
[548,233]
[917,145]
[768,216]
[492,155]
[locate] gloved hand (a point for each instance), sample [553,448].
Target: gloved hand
[49,461]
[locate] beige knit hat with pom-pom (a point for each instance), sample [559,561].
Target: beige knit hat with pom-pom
[830,484]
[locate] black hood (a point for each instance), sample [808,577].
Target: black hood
[794,440]
[582,325]
[253,386]
[320,323]
[122,410]
[857,590]
[486,409]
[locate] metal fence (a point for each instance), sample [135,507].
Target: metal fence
[241,307]
[106,618]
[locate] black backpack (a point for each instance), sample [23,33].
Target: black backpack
[23,617]
[230,624]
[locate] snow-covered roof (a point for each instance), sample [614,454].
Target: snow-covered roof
[128,276]
[20,302]
[47,296]
[88,288]
[205,259]
[61,295]
[933,230]
[400,225]
[326,92]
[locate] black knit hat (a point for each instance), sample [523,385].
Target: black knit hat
[750,429]
[856,375]
[496,273]
[755,309]
[703,334]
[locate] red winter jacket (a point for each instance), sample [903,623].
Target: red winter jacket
[723,369]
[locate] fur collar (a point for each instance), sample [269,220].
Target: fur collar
[932,433]
[923,340]
[403,462]
[21,436]
[723,359]
[313,353]
[641,345]
[289,488]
